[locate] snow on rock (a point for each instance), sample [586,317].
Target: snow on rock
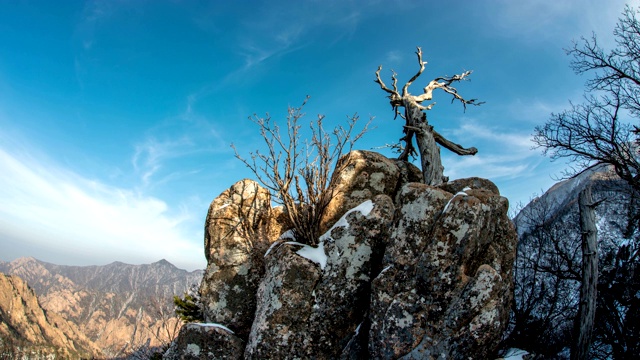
[205,341]
[459,193]
[515,354]
[364,208]
[214,325]
[315,254]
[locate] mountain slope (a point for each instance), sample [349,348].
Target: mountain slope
[120,307]
[548,268]
[27,329]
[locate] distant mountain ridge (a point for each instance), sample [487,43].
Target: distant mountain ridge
[120,307]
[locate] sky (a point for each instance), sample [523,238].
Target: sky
[116,117]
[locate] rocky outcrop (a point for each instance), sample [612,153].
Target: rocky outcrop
[239,227]
[312,298]
[27,330]
[362,175]
[404,270]
[446,284]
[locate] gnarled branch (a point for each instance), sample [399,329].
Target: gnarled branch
[416,121]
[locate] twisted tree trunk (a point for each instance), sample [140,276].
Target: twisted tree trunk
[432,169]
[416,121]
[588,289]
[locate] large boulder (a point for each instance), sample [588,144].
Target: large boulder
[239,227]
[354,247]
[359,176]
[312,299]
[446,285]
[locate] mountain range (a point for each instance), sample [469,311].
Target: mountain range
[108,311]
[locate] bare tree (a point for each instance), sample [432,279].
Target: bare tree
[597,131]
[298,173]
[417,124]
[600,130]
[589,282]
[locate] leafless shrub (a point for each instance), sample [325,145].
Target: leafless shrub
[298,173]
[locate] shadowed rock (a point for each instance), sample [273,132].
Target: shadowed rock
[203,342]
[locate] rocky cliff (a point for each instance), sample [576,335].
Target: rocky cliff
[404,270]
[29,331]
[119,307]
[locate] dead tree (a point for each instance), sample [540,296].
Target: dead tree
[417,124]
[589,286]
[297,173]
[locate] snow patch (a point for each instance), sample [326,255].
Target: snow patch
[274,245]
[357,330]
[461,193]
[364,208]
[223,206]
[219,326]
[515,354]
[287,235]
[193,349]
[315,254]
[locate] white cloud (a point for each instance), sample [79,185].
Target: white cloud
[50,210]
[505,156]
[150,154]
[542,20]
[178,138]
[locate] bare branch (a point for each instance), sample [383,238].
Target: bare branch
[298,174]
[405,89]
[416,124]
[383,86]
[451,146]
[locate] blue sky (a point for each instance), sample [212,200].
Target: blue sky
[116,117]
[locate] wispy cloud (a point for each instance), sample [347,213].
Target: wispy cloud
[278,30]
[51,210]
[541,20]
[177,139]
[149,155]
[502,154]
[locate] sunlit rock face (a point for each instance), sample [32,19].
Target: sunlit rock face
[403,270]
[239,227]
[28,331]
[360,176]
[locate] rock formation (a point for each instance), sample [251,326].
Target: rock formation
[239,225]
[28,331]
[404,270]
